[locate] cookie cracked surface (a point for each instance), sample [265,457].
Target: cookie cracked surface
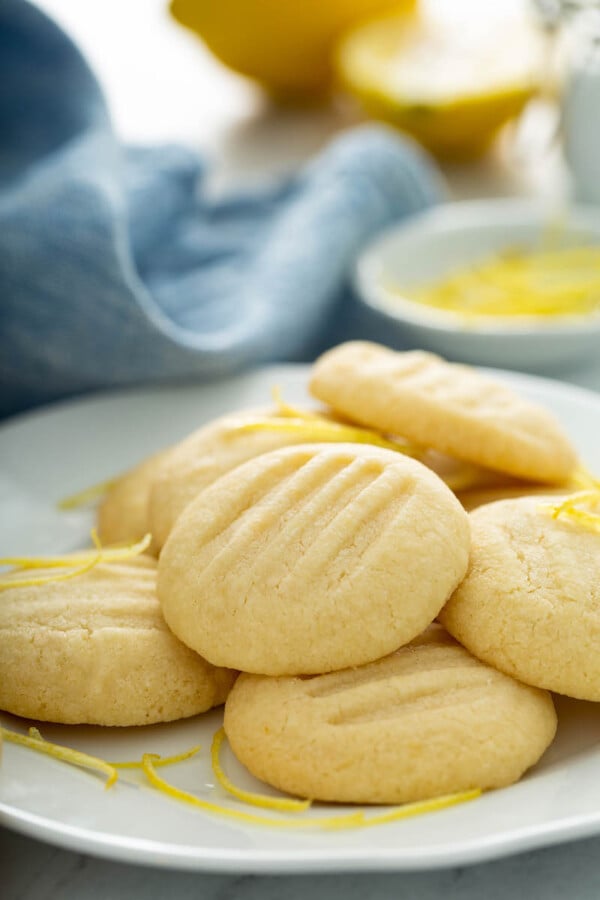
[530,603]
[95,649]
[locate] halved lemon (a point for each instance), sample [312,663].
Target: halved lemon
[451,83]
[285,45]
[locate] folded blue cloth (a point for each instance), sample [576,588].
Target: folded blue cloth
[116,268]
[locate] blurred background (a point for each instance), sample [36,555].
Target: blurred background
[457,74]
[258,242]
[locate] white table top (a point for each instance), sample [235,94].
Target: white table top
[170,89]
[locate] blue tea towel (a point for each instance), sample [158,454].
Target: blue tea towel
[115,266]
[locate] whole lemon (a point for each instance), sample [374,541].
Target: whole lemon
[286,45]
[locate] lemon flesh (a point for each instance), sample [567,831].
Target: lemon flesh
[450,84]
[286,45]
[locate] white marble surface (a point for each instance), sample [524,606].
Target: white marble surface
[189,97]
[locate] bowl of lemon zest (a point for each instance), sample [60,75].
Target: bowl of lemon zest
[515,283]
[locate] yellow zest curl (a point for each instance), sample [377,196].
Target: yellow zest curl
[87,496]
[552,283]
[570,508]
[318,430]
[285,410]
[284,804]
[34,741]
[421,807]
[583,479]
[150,762]
[351,820]
[76,563]
[158,760]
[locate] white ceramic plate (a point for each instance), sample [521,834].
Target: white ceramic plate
[53,453]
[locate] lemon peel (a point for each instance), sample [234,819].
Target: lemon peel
[422,807]
[569,508]
[321,430]
[349,820]
[261,800]
[545,283]
[158,760]
[582,478]
[286,410]
[87,495]
[34,741]
[77,563]
[151,761]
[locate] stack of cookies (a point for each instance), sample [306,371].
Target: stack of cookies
[317,555]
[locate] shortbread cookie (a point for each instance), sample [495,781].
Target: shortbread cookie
[123,514]
[428,720]
[449,407]
[313,558]
[530,604]
[95,649]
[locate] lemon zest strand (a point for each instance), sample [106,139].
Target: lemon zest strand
[582,478]
[286,410]
[263,801]
[8,583]
[569,508]
[64,754]
[320,430]
[158,760]
[351,820]
[514,283]
[151,761]
[87,495]
[88,559]
[421,807]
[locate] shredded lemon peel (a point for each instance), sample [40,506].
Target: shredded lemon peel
[76,563]
[150,762]
[570,509]
[349,820]
[322,430]
[158,760]
[286,410]
[263,801]
[34,741]
[544,283]
[87,495]
[582,478]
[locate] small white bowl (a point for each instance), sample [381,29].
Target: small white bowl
[450,236]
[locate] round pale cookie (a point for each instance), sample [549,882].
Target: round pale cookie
[123,514]
[428,720]
[451,408]
[312,558]
[95,649]
[530,604]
